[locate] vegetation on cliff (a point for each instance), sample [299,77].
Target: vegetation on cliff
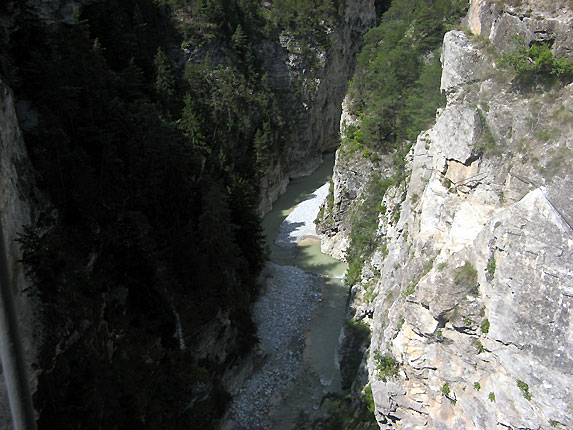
[457,306]
[396,87]
[394,94]
[153,169]
[536,64]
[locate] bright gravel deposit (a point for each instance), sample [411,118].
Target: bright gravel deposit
[299,224]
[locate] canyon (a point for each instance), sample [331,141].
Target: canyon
[467,295]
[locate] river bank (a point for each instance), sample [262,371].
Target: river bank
[283,315]
[298,316]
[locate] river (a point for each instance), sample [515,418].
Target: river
[293,242]
[299,316]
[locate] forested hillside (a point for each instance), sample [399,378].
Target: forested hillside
[151,243]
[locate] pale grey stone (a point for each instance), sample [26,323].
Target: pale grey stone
[465,208]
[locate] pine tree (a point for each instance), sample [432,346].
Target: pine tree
[239,39]
[164,80]
[191,125]
[262,144]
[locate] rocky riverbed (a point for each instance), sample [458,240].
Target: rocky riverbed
[282,315]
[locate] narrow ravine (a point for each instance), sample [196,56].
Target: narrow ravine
[299,316]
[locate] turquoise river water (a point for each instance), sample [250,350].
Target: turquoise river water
[320,371]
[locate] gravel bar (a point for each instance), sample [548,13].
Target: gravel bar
[282,315]
[299,224]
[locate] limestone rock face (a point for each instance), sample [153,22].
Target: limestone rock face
[472,295]
[316,109]
[548,21]
[350,179]
[462,63]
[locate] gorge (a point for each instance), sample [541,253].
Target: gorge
[150,150]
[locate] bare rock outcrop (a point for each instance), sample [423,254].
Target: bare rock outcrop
[471,308]
[350,178]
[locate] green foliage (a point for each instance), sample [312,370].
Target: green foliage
[154,173]
[491,397]
[411,289]
[384,249]
[306,17]
[445,389]
[396,213]
[401,321]
[385,365]
[427,267]
[324,219]
[395,89]
[363,233]
[484,326]
[491,266]
[490,145]
[524,389]
[477,386]
[443,265]
[371,293]
[465,275]
[446,392]
[369,399]
[395,92]
[537,64]
[192,127]
[239,40]
[164,83]
[263,143]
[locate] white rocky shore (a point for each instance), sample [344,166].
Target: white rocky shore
[299,224]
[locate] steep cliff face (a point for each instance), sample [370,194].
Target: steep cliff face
[353,171]
[18,199]
[314,110]
[471,308]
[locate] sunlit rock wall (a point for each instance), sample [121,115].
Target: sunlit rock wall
[474,297]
